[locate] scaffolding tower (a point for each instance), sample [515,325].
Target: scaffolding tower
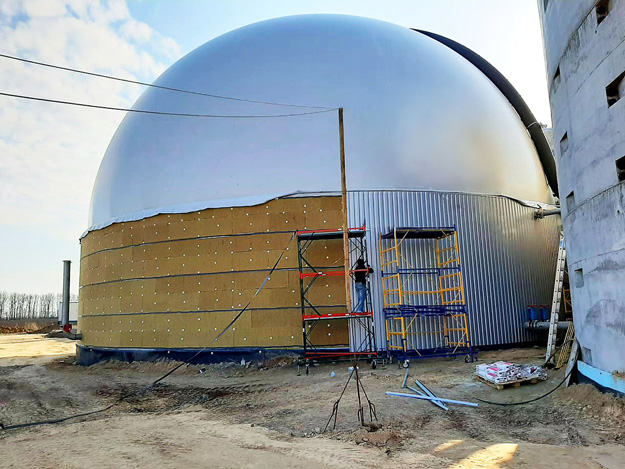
[424,307]
[360,324]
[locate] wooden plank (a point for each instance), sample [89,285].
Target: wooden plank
[348,290]
[572,361]
[499,386]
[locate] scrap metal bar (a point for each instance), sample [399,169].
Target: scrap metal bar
[420,393]
[428,398]
[403,385]
[429,393]
[436,403]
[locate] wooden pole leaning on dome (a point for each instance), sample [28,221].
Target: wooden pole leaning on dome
[348,302]
[348,290]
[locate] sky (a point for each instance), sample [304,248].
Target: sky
[50,154]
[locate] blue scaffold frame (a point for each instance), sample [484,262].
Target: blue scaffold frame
[401,307]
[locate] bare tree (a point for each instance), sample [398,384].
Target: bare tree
[47,305]
[13,305]
[30,306]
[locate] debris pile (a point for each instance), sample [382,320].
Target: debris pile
[504,372]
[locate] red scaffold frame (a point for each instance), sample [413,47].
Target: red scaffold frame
[360,323]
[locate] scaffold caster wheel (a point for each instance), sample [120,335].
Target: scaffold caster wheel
[468,359]
[406,364]
[374,364]
[307,369]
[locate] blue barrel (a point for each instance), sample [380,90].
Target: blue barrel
[534,313]
[545,314]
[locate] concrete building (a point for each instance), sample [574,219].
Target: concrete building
[585,54]
[188,215]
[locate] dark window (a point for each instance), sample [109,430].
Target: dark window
[556,77]
[602,9]
[620,168]
[615,90]
[570,201]
[579,278]
[564,144]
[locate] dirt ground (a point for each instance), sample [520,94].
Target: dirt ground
[26,326]
[264,415]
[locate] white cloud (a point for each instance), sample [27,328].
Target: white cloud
[169,47]
[49,154]
[43,8]
[136,31]
[9,8]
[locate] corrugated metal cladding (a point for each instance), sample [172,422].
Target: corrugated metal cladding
[508,257]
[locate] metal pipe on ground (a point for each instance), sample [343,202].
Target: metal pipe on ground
[405,379]
[436,403]
[428,398]
[431,394]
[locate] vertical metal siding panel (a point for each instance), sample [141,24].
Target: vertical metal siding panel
[508,258]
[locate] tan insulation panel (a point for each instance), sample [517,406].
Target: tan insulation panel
[276,328]
[156,272]
[334,332]
[304,212]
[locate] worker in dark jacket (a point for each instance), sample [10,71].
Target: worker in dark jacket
[361,272]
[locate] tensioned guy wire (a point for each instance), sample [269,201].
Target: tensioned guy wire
[164,113]
[147,388]
[151,85]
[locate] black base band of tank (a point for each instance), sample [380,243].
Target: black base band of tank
[88,355]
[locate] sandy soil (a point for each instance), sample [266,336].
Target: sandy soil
[265,415]
[24,349]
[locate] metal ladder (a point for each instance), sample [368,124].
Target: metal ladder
[555,303]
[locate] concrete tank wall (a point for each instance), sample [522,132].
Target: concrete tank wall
[585,54]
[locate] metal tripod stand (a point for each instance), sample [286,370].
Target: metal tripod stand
[360,390]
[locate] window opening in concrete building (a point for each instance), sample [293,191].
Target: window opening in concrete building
[620,168]
[556,77]
[602,9]
[615,90]
[564,143]
[570,201]
[579,278]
